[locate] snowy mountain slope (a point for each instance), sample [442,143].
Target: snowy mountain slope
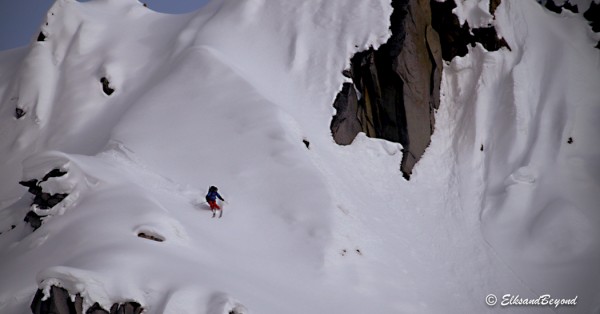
[535,117]
[224,96]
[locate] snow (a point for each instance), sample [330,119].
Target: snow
[225,96]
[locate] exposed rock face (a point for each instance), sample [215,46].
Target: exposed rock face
[345,125]
[395,88]
[456,38]
[398,86]
[42,199]
[60,302]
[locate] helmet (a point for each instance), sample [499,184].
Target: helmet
[213,188]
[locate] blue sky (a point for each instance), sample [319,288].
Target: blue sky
[20,20]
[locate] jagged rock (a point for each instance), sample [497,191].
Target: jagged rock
[54,173]
[494,5]
[399,83]
[571,7]
[488,37]
[55,199]
[96,309]
[31,185]
[593,16]
[557,8]
[106,86]
[34,220]
[455,38]
[19,113]
[419,66]
[42,199]
[398,86]
[306,143]
[345,124]
[126,308]
[60,302]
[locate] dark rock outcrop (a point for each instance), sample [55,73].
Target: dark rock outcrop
[306,143]
[19,113]
[397,84]
[557,8]
[592,14]
[151,236]
[396,88]
[41,37]
[106,86]
[42,199]
[455,38]
[345,124]
[33,219]
[494,5]
[60,302]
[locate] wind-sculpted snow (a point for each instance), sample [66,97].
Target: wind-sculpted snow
[534,113]
[199,99]
[226,96]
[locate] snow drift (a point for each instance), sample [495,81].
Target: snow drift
[501,202]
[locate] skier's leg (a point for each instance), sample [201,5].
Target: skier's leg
[213,207]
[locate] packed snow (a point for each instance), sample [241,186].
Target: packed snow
[505,200]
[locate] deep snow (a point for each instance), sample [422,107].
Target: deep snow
[225,95]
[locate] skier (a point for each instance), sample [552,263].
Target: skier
[211,198]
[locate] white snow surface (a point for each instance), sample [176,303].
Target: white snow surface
[225,96]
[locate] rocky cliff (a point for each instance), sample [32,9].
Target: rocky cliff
[60,302]
[395,89]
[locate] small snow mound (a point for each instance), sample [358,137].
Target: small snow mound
[523,175]
[62,179]
[76,281]
[221,303]
[162,227]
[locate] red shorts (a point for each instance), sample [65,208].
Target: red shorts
[213,205]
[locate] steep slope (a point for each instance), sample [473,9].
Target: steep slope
[239,95]
[183,115]
[526,148]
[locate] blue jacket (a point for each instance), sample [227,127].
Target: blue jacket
[212,196]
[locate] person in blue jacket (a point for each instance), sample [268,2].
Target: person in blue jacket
[211,198]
